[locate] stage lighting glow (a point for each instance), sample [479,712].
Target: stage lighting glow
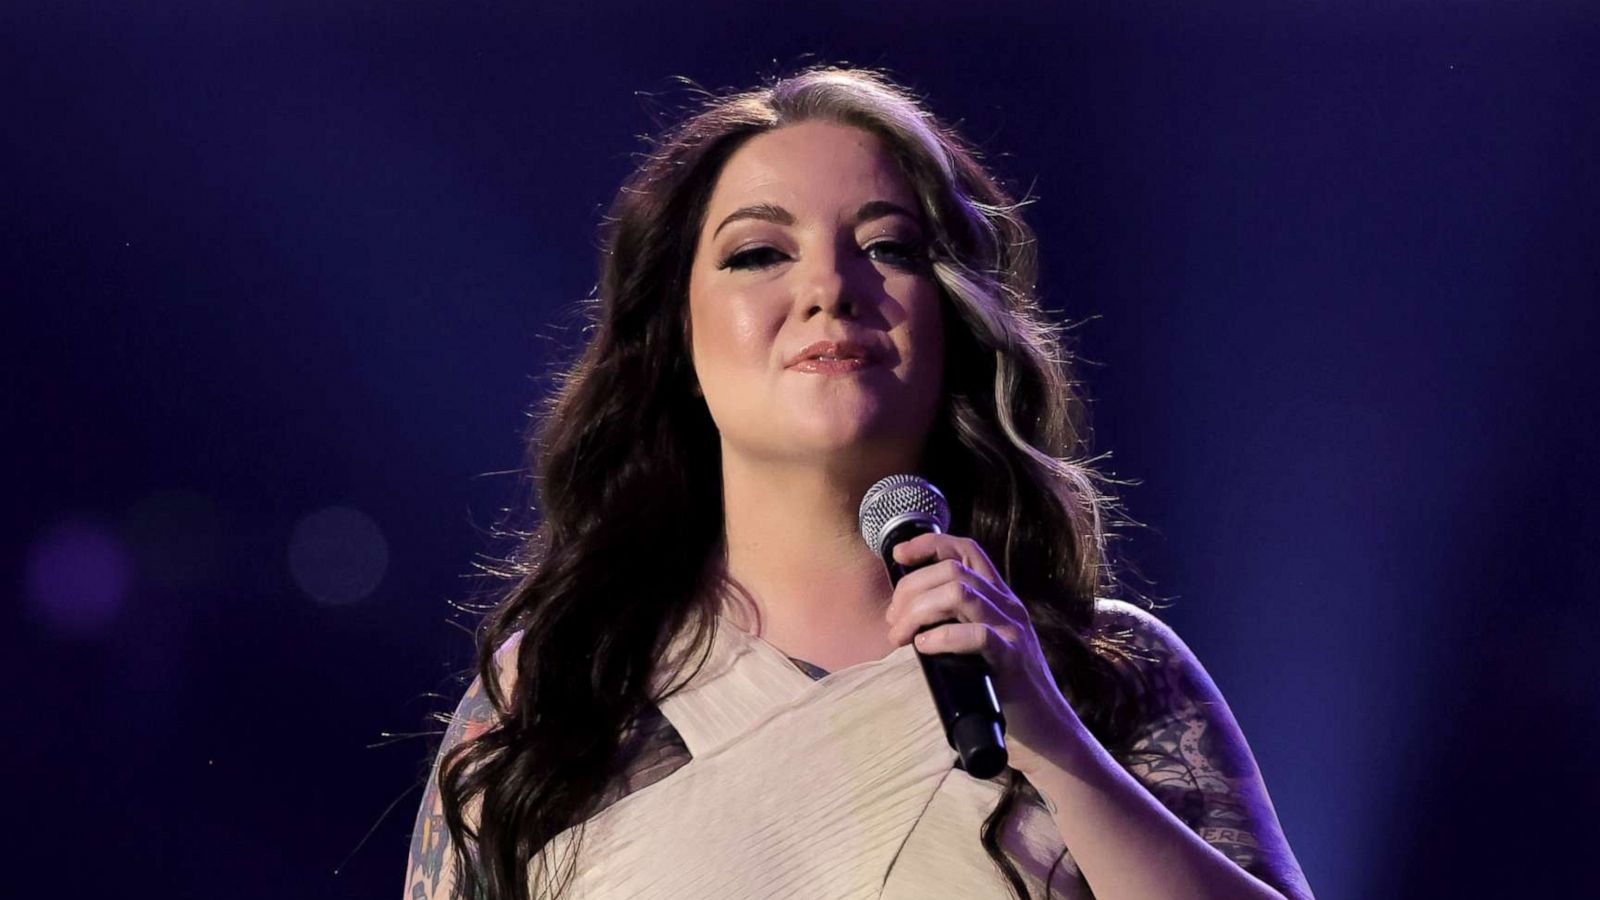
[77,578]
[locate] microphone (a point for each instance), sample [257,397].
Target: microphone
[897,509]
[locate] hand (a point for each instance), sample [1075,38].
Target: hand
[958,582]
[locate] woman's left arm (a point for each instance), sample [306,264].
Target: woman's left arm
[1192,756]
[1125,824]
[1186,814]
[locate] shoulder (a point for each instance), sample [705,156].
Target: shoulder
[1175,689]
[430,871]
[477,712]
[1139,624]
[505,663]
[1172,683]
[1166,663]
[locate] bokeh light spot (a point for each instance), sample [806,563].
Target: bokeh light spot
[338,555]
[77,578]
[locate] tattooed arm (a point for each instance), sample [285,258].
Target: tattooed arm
[1128,843]
[1191,755]
[430,873]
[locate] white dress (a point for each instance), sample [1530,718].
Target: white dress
[843,787]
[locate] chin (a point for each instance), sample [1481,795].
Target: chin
[878,429]
[856,439]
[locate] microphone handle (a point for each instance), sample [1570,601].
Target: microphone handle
[962,689]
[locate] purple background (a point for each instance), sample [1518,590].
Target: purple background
[281,280]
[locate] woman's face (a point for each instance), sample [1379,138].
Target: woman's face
[813,234]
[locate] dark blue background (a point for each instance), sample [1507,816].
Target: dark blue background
[261,259]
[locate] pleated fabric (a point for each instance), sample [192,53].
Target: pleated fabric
[842,787]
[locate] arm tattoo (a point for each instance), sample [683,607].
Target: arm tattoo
[430,838]
[1179,761]
[1189,759]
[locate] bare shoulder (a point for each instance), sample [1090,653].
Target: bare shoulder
[1191,754]
[430,871]
[1176,684]
[1147,632]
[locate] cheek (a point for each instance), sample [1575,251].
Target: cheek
[732,332]
[751,332]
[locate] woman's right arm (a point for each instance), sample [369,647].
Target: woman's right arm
[430,873]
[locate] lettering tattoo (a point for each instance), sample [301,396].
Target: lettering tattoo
[1179,762]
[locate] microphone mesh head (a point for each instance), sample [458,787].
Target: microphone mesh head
[896,500]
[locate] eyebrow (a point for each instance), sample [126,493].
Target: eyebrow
[768,212]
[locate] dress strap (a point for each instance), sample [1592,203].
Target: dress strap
[744,681]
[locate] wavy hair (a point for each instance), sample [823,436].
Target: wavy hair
[624,444]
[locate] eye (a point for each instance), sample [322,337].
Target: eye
[899,253]
[753,258]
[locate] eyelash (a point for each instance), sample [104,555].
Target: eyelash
[911,255]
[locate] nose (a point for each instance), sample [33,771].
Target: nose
[826,286]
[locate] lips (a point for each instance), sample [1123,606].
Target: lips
[832,350]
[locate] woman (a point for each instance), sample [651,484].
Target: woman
[702,683]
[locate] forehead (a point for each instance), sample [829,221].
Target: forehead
[811,168]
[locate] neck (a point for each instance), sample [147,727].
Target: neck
[794,549]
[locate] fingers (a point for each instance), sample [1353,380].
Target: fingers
[951,600]
[931,576]
[946,559]
[967,637]
[926,548]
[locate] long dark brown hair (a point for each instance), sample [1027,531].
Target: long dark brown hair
[625,447]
